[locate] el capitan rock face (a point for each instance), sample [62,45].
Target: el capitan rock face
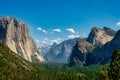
[15,34]
[100,36]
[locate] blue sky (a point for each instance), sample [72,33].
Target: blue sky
[57,20]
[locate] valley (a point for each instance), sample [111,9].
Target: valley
[95,57]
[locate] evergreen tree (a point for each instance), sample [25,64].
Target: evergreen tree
[114,72]
[103,75]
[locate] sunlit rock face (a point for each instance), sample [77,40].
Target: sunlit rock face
[97,49]
[101,55]
[100,36]
[15,34]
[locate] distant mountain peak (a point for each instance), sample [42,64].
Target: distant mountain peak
[43,48]
[60,53]
[54,44]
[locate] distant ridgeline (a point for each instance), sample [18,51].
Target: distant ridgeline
[86,51]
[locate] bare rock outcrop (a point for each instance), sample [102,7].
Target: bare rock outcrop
[80,52]
[15,34]
[99,36]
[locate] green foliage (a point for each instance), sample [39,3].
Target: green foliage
[90,48]
[109,31]
[62,72]
[12,67]
[114,72]
[98,44]
[103,75]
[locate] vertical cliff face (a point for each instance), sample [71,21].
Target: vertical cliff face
[15,34]
[109,48]
[61,53]
[101,55]
[100,36]
[79,53]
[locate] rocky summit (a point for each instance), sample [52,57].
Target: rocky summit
[14,34]
[97,49]
[103,54]
[100,36]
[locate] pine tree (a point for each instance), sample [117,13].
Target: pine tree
[103,75]
[114,72]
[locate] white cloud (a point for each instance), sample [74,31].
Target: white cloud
[118,24]
[72,36]
[56,30]
[40,29]
[37,41]
[46,39]
[71,30]
[58,40]
[44,42]
[44,31]
[54,41]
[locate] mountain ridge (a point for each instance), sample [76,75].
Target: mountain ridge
[96,54]
[60,53]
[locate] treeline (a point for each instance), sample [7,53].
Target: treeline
[17,70]
[113,73]
[58,72]
[94,72]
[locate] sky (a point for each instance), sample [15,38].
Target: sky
[58,20]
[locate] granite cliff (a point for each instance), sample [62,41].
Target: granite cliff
[14,34]
[100,36]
